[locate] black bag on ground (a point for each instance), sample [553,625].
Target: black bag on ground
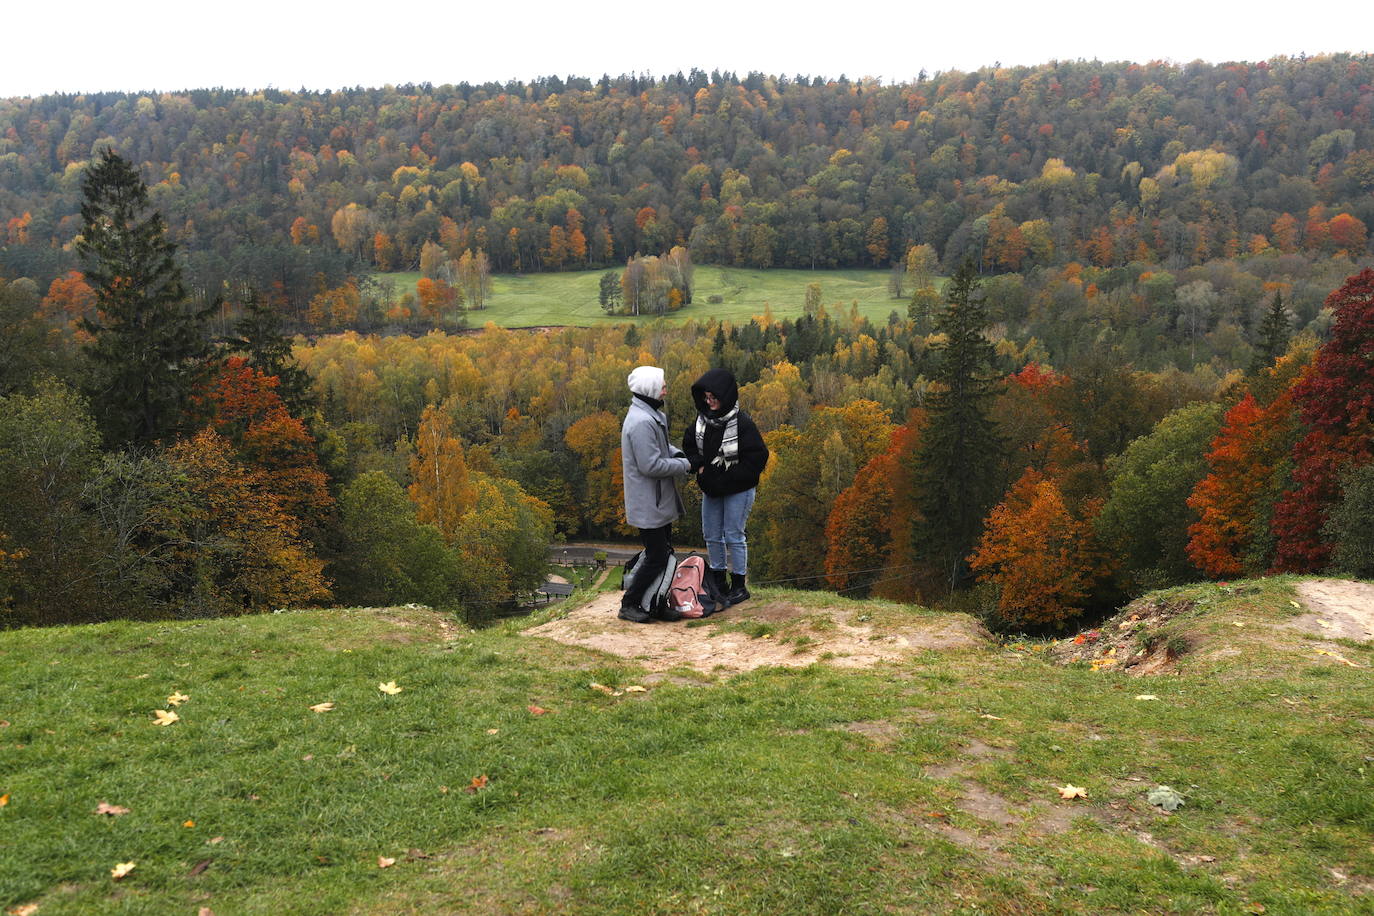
[655,599]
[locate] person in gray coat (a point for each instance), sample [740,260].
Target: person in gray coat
[649,462]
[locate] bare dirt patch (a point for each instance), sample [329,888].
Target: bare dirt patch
[1340,609]
[731,642]
[1150,634]
[1133,641]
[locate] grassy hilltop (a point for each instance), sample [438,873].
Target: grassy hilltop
[519,774]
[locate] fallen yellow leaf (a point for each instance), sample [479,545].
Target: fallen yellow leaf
[537,710]
[177,699]
[112,810]
[1339,658]
[1147,696]
[988,715]
[165,717]
[493,731]
[635,688]
[322,707]
[602,688]
[384,862]
[188,823]
[478,782]
[26,909]
[122,869]
[1072,791]
[4,799]
[390,688]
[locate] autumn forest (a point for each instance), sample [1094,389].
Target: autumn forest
[1129,345]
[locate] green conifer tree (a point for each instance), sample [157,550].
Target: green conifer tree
[259,337]
[1273,336]
[149,351]
[958,466]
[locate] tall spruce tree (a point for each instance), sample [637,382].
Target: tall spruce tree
[958,466]
[1273,336]
[259,336]
[148,350]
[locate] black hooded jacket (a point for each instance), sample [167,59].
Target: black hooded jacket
[753,454]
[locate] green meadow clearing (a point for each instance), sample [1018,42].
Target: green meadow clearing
[514,774]
[531,300]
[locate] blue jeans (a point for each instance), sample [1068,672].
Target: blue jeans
[722,524]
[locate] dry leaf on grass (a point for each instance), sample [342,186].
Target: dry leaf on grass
[635,688]
[24,909]
[537,710]
[188,823]
[602,688]
[988,715]
[199,868]
[1147,696]
[384,862]
[177,699]
[1164,797]
[164,717]
[4,799]
[205,911]
[112,810]
[478,782]
[1339,658]
[122,869]
[322,707]
[390,688]
[1072,791]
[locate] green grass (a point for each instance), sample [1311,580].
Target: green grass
[571,298]
[817,790]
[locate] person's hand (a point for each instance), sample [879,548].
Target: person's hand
[696,463]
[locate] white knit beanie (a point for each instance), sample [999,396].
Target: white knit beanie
[646,380]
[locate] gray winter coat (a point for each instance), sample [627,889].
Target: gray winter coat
[649,464]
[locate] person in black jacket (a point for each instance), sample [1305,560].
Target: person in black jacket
[729,455]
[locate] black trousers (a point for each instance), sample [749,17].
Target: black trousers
[657,547]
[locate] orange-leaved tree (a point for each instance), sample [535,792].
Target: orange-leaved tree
[595,439]
[230,545]
[1231,499]
[859,532]
[1043,559]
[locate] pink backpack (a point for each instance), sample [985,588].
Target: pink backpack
[688,591]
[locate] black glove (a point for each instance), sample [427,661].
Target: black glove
[696,461]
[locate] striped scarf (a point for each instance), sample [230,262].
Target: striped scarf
[729,442]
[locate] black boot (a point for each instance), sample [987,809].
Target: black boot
[634,613]
[718,586]
[738,592]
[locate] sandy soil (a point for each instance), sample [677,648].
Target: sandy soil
[715,647]
[1340,609]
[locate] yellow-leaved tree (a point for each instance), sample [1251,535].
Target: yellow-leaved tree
[441,485]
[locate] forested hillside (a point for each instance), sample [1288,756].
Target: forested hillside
[1102,164]
[1152,361]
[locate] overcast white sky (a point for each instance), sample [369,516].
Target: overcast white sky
[83,46]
